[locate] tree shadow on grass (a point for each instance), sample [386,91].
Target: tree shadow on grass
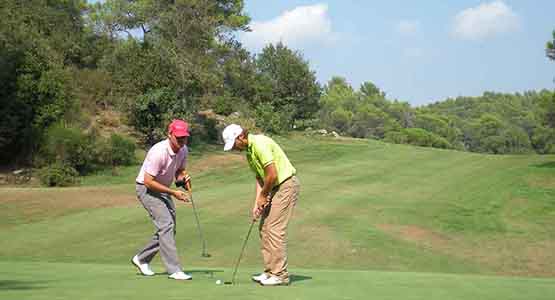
[550,164]
[22,285]
[295,278]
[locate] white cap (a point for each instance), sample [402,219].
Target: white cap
[230,133]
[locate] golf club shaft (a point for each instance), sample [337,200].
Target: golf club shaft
[202,240]
[241,253]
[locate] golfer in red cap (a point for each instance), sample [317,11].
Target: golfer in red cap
[164,162]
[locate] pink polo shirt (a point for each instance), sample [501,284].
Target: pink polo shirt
[162,163]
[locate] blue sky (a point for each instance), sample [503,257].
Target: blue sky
[416,51]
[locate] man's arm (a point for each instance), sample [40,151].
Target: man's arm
[270,178]
[255,212]
[262,192]
[154,185]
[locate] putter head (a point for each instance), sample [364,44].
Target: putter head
[228,282]
[205,255]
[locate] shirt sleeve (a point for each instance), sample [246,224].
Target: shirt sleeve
[153,163]
[264,153]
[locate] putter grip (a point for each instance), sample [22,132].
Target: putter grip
[181,184]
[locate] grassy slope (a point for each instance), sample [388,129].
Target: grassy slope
[364,205]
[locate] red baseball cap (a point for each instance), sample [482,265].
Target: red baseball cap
[179,128]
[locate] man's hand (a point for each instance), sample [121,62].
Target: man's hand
[261,200]
[256,212]
[181,196]
[184,180]
[258,208]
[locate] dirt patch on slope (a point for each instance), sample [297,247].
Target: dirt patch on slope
[416,234]
[500,255]
[31,205]
[216,162]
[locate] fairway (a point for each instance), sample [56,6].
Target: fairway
[374,221]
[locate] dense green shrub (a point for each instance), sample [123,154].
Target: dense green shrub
[147,113]
[272,121]
[396,137]
[544,140]
[225,104]
[152,112]
[122,150]
[70,146]
[58,174]
[417,137]
[83,152]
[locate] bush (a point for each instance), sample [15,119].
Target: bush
[395,137]
[274,121]
[71,147]
[122,150]
[418,137]
[544,140]
[225,104]
[152,112]
[58,174]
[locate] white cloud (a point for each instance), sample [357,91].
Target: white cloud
[299,26]
[408,27]
[485,20]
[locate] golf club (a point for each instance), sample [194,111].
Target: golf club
[203,241]
[240,254]
[204,253]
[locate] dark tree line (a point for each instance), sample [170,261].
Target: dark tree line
[64,62]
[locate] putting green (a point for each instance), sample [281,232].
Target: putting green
[39,280]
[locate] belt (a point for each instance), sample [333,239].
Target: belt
[285,180]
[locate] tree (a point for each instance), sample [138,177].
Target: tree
[337,104]
[402,113]
[550,48]
[369,121]
[185,45]
[292,82]
[39,42]
[369,89]
[372,93]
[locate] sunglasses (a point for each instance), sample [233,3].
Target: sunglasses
[181,139]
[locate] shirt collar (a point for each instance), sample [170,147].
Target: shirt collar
[169,147]
[249,143]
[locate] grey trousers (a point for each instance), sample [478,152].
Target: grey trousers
[161,209]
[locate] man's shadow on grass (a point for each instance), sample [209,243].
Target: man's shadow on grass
[295,278]
[206,272]
[22,285]
[209,273]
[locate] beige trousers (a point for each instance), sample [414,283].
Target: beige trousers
[273,227]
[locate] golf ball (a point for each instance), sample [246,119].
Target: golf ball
[218,281]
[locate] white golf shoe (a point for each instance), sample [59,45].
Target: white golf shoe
[143,268]
[179,275]
[273,281]
[260,277]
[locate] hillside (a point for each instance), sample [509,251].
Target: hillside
[364,205]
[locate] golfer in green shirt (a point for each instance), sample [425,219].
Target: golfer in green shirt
[277,190]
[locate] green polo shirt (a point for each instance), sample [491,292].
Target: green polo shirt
[263,151]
